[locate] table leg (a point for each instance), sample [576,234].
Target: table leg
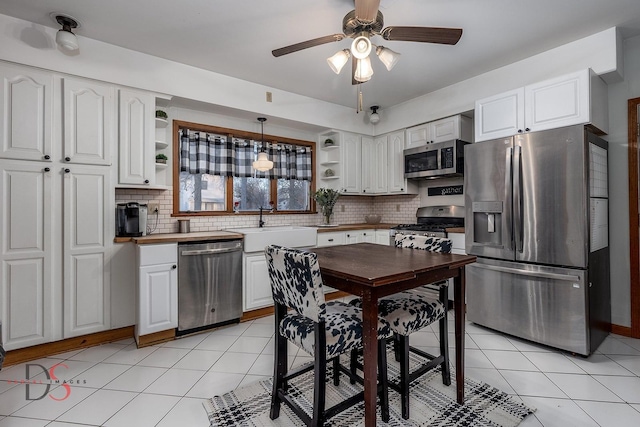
[370,342]
[459,309]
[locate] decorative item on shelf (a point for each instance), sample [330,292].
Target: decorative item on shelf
[326,198]
[329,172]
[328,142]
[372,219]
[161,115]
[161,158]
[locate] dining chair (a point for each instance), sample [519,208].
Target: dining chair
[413,310]
[323,329]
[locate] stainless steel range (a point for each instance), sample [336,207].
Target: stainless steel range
[432,221]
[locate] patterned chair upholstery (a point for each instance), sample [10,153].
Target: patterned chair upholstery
[323,329]
[412,310]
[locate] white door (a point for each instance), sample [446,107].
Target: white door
[396,182]
[158,307]
[500,115]
[382,237]
[368,236]
[88,234]
[445,129]
[89,121]
[26,100]
[380,168]
[257,287]
[353,237]
[418,136]
[136,163]
[559,102]
[351,165]
[27,309]
[369,165]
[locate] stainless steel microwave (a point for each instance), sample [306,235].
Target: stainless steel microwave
[435,160]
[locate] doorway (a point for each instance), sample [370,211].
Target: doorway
[634,219]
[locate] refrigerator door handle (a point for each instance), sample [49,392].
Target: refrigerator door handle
[518,199]
[508,197]
[542,274]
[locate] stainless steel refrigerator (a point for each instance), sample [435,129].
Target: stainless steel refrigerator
[536,216]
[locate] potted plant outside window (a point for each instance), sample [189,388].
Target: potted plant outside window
[161,158]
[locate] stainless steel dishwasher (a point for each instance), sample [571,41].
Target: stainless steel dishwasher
[209,284]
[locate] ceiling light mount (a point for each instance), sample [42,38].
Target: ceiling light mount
[374,117]
[65,38]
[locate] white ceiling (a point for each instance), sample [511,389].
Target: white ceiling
[236,37]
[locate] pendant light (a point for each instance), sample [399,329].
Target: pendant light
[263,163]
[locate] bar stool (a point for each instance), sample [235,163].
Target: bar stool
[323,329]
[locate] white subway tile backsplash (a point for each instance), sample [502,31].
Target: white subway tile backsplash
[393,209]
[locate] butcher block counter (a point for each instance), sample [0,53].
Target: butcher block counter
[180,237]
[350,227]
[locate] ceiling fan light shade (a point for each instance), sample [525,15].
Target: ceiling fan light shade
[263,163]
[361,47]
[67,40]
[388,57]
[337,61]
[364,71]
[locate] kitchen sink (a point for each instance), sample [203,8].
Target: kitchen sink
[256,238]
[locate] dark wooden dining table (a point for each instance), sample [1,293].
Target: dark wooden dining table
[373,271]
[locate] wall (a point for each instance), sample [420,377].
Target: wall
[619,93]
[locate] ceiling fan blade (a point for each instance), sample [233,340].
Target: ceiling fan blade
[423,34]
[367,10]
[307,44]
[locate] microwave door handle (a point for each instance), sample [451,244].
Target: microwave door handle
[518,199]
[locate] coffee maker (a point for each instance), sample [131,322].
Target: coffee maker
[131,219]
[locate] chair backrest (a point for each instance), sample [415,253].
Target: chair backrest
[296,281]
[427,243]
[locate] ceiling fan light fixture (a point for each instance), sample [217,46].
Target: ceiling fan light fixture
[374,117]
[364,70]
[262,163]
[361,47]
[388,57]
[65,37]
[337,61]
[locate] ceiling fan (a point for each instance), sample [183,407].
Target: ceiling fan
[362,23]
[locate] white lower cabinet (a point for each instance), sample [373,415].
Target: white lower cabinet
[334,238]
[256,287]
[383,238]
[331,239]
[157,288]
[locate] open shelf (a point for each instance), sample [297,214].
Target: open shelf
[161,123]
[161,145]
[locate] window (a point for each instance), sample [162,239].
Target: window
[216,176]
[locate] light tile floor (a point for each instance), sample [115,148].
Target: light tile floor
[119,385]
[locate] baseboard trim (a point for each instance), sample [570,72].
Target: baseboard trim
[625,331]
[49,349]
[156,338]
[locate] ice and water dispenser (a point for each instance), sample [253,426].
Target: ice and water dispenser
[487,223]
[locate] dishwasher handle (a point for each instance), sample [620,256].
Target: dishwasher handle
[209,251]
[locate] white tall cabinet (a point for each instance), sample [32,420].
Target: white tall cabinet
[57,193]
[137,131]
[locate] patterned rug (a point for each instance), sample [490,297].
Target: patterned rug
[432,404]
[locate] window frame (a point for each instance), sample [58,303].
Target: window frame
[178,125]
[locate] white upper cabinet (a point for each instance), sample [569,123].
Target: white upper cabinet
[89,121]
[26,100]
[571,99]
[454,127]
[351,163]
[396,182]
[136,160]
[369,165]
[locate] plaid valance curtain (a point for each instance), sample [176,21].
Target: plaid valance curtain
[213,154]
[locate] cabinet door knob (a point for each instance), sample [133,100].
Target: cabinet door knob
[47,157]
[47,169]
[402,189]
[146,181]
[67,159]
[527,129]
[174,266]
[330,240]
[67,170]
[519,130]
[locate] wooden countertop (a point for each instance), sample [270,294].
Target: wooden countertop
[349,227]
[456,230]
[180,237]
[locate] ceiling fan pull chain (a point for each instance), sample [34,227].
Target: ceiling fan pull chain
[359,99]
